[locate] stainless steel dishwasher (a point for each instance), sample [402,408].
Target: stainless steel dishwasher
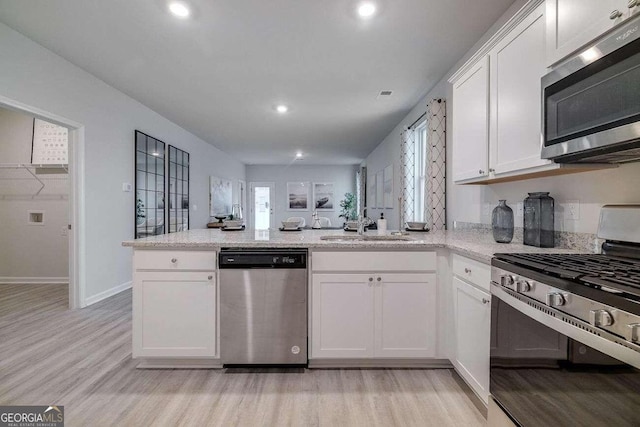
[263,306]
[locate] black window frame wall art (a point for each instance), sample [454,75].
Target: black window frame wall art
[178,189]
[153,177]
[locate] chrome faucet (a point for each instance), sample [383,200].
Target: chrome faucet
[361,222]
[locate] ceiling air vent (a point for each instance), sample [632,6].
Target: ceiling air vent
[384,94]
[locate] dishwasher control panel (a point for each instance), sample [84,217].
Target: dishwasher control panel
[288,258]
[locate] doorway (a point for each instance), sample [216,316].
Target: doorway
[73,226]
[262,200]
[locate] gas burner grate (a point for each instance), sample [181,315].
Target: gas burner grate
[599,271]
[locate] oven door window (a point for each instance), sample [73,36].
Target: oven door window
[601,96]
[543,378]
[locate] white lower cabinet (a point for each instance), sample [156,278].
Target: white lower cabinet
[380,315]
[472,308]
[174,314]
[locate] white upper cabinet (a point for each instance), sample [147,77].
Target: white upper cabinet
[517,65]
[571,24]
[471,123]
[497,110]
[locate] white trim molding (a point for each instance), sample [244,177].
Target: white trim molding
[106,294]
[33,280]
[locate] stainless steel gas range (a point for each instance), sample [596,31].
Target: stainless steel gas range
[565,331]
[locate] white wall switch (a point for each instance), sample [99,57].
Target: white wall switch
[126,187]
[195,207]
[572,210]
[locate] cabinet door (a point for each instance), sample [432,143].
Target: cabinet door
[342,316]
[174,314]
[473,329]
[571,24]
[517,65]
[405,316]
[471,123]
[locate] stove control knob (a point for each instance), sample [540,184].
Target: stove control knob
[508,281]
[555,299]
[633,333]
[600,318]
[523,286]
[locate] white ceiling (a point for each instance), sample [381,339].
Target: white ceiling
[220,73]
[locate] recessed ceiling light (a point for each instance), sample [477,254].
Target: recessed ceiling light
[282,108]
[298,154]
[179,9]
[366,9]
[155,154]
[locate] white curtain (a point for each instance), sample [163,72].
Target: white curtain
[408,160]
[433,155]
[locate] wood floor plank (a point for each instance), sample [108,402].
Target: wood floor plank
[82,359]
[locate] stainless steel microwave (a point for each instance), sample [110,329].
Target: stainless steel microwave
[591,102]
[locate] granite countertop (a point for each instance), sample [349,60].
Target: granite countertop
[474,244]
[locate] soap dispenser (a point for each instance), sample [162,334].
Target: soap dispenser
[382,224]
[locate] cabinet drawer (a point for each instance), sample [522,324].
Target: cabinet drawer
[374,261]
[174,260]
[472,271]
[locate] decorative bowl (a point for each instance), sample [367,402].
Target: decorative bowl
[289,225]
[233,223]
[352,225]
[414,225]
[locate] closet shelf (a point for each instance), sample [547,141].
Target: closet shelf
[32,169]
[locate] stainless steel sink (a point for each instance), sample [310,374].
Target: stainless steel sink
[346,237]
[365,237]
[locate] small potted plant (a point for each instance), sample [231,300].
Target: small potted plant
[348,209]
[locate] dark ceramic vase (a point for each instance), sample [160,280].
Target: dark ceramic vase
[539,220]
[502,222]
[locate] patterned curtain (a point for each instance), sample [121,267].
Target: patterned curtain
[434,157]
[437,157]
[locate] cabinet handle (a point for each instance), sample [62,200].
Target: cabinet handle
[615,14]
[174,260]
[467,270]
[492,170]
[633,3]
[480,171]
[485,301]
[210,277]
[379,279]
[371,279]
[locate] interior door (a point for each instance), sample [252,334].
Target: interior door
[262,201]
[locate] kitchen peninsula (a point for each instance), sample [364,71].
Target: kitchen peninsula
[390,301]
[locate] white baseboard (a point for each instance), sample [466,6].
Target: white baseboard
[33,280]
[106,294]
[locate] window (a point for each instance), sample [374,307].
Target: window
[420,172]
[414,159]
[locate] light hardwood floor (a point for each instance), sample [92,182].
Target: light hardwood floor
[82,359]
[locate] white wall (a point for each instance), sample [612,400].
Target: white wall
[344,178]
[37,77]
[474,203]
[30,252]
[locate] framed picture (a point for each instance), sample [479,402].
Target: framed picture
[323,196]
[298,196]
[220,196]
[380,189]
[388,187]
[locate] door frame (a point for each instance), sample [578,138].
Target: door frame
[272,198]
[77,262]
